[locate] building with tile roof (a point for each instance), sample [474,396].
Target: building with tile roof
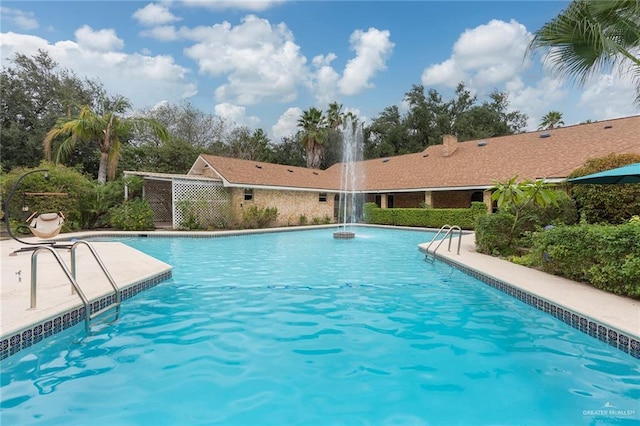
[450,175]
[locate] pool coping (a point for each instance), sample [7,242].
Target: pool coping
[618,337]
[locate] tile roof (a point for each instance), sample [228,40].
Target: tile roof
[239,172]
[551,154]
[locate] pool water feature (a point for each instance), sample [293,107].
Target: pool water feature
[298,328]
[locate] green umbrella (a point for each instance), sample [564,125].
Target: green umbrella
[625,174]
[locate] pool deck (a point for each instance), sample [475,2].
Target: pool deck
[128,266]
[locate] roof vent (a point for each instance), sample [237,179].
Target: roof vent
[385,160]
[290,171]
[608,126]
[425,155]
[545,135]
[258,166]
[315,173]
[482,143]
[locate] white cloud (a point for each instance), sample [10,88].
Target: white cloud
[103,40]
[144,79]
[236,114]
[20,18]
[325,79]
[261,61]
[248,5]
[287,124]
[609,95]
[483,57]
[162,33]
[155,14]
[373,47]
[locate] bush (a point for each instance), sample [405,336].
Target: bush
[613,204]
[429,218]
[258,217]
[492,232]
[605,256]
[536,217]
[134,215]
[61,180]
[96,204]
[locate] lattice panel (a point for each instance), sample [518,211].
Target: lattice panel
[158,195]
[203,204]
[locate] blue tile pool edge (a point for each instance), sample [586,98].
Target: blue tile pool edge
[601,331]
[35,333]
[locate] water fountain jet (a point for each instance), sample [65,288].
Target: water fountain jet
[348,200]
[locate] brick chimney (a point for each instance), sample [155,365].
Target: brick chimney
[449,145]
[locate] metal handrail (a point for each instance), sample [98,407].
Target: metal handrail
[71,275]
[100,263]
[65,269]
[450,230]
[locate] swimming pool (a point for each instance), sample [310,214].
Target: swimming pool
[299,328]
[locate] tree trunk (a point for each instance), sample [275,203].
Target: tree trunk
[102,170]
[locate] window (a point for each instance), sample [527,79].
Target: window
[378,200]
[322,197]
[477,196]
[389,201]
[248,194]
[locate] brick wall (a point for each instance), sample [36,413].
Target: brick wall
[290,204]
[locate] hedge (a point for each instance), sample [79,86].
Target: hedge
[428,218]
[605,256]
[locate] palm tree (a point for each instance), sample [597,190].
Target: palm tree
[106,129]
[592,36]
[313,134]
[551,120]
[335,116]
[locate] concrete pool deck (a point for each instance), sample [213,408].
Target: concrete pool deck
[129,266]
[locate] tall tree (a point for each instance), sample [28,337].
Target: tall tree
[34,93]
[592,36]
[335,116]
[551,120]
[248,145]
[313,125]
[107,130]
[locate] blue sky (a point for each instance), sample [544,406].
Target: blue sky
[261,63]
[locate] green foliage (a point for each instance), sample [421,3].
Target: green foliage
[515,197]
[134,215]
[613,204]
[303,220]
[491,234]
[562,212]
[605,256]
[95,205]
[430,218]
[254,217]
[61,180]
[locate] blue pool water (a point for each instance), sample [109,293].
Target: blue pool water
[298,328]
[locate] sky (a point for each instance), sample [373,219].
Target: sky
[262,63]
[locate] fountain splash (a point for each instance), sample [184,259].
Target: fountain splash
[350,204]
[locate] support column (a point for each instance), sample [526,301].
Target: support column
[428,199]
[486,198]
[383,201]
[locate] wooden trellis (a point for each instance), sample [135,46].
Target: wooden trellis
[208,203]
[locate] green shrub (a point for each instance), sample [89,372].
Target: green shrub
[61,180]
[258,217]
[535,217]
[605,256]
[492,231]
[429,218]
[613,204]
[134,215]
[303,220]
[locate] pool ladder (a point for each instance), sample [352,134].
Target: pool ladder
[113,308]
[448,230]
